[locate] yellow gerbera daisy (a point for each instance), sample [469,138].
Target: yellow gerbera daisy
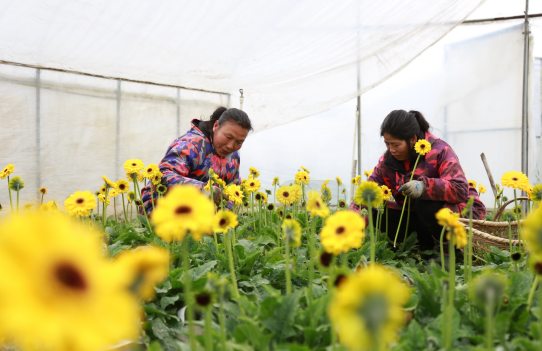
[291,232]
[254,172]
[80,203]
[43,191]
[225,220]
[138,175]
[252,185]
[102,189]
[324,184]
[516,180]
[339,181]
[16,183]
[142,269]
[386,193]
[27,206]
[234,193]
[422,147]
[306,170]
[472,183]
[183,209]
[150,171]
[316,206]
[367,308]
[7,171]
[101,197]
[302,178]
[133,166]
[157,179]
[481,189]
[131,195]
[109,183]
[356,180]
[285,196]
[113,193]
[368,173]
[123,186]
[221,183]
[342,232]
[58,290]
[459,235]
[326,194]
[369,192]
[536,194]
[49,207]
[275,181]
[297,192]
[533,231]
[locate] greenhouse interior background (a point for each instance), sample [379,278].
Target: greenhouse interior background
[143,83]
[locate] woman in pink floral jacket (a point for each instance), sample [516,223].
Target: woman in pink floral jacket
[439,180]
[208,144]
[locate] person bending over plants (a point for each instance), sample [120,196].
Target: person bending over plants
[438,180]
[212,144]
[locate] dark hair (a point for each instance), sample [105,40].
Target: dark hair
[404,125]
[232,115]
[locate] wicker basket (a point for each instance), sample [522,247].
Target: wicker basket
[488,233]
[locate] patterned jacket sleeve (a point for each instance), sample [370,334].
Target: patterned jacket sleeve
[451,186]
[175,166]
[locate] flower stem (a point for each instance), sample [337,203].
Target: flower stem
[41,202]
[539,308]
[451,253]
[222,320]
[387,217]
[232,269]
[115,207]
[209,328]
[124,209]
[531,293]
[404,203]
[489,320]
[442,263]
[105,205]
[188,294]
[518,219]
[10,201]
[469,261]
[510,235]
[373,244]
[407,223]
[288,279]
[138,192]
[17,200]
[152,195]
[311,263]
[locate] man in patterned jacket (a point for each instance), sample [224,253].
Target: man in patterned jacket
[439,180]
[208,144]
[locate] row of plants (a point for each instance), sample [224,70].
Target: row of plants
[254,274]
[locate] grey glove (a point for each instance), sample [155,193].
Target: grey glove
[413,189]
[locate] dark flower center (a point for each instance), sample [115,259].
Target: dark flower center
[122,186]
[318,204]
[285,194]
[133,164]
[516,256]
[422,146]
[203,299]
[70,277]
[258,196]
[80,201]
[339,230]
[237,193]
[538,268]
[222,222]
[325,259]
[252,184]
[149,170]
[341,278]
[515,179]
[183,210]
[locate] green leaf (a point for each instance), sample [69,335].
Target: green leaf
[155,346]
[247,264]
[164,288]
[161,330]
[415,336]
[199,272]
[168,300]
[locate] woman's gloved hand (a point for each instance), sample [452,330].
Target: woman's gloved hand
[413,189]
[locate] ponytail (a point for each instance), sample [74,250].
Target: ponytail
[214,117]
[422,122]
[404,125]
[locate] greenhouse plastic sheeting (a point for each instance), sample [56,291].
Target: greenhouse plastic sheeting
[469,88]
[292,58]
